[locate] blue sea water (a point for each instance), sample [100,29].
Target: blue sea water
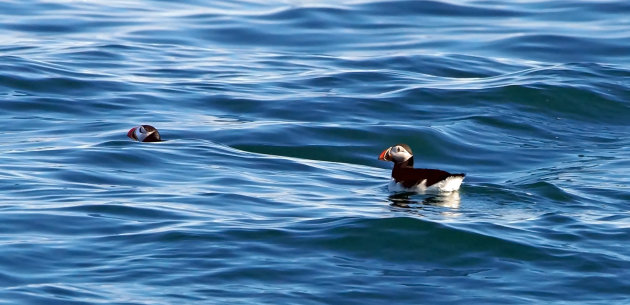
[268,190]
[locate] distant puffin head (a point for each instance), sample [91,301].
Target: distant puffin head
[397,153]
[144,133]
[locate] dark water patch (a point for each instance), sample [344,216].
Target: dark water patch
[52,26]
[380,236]
[588,9]
[95,178]
[162,37]
[51,84]
[95,55]
[434,8]
[561,102]
[63,224]
[247,36]
[313,17]
[360,79]
[27,9]
[422,65]
[137,213]
[549,191]
[572,47]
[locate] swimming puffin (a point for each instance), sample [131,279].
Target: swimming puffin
[144,133]
[407,178]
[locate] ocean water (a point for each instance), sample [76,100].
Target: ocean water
[268,190]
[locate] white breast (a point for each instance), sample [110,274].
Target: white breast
[449,184]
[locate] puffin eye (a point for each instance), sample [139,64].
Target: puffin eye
[142,129]
[398,149]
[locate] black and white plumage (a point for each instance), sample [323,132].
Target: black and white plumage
[407,178]
[144,133]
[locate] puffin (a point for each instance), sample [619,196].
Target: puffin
[144,133]
[407,178]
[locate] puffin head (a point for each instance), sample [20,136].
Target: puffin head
[398,153]
[144,133]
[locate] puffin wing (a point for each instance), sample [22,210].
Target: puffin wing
[409,177]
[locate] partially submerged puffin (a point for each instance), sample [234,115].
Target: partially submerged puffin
[144,133]
[407,178]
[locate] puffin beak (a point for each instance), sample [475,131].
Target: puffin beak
[385,155]
[131,133]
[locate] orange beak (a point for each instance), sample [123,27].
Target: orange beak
[384,155]
[130,133]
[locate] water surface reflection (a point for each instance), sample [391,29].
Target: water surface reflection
[415,200]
